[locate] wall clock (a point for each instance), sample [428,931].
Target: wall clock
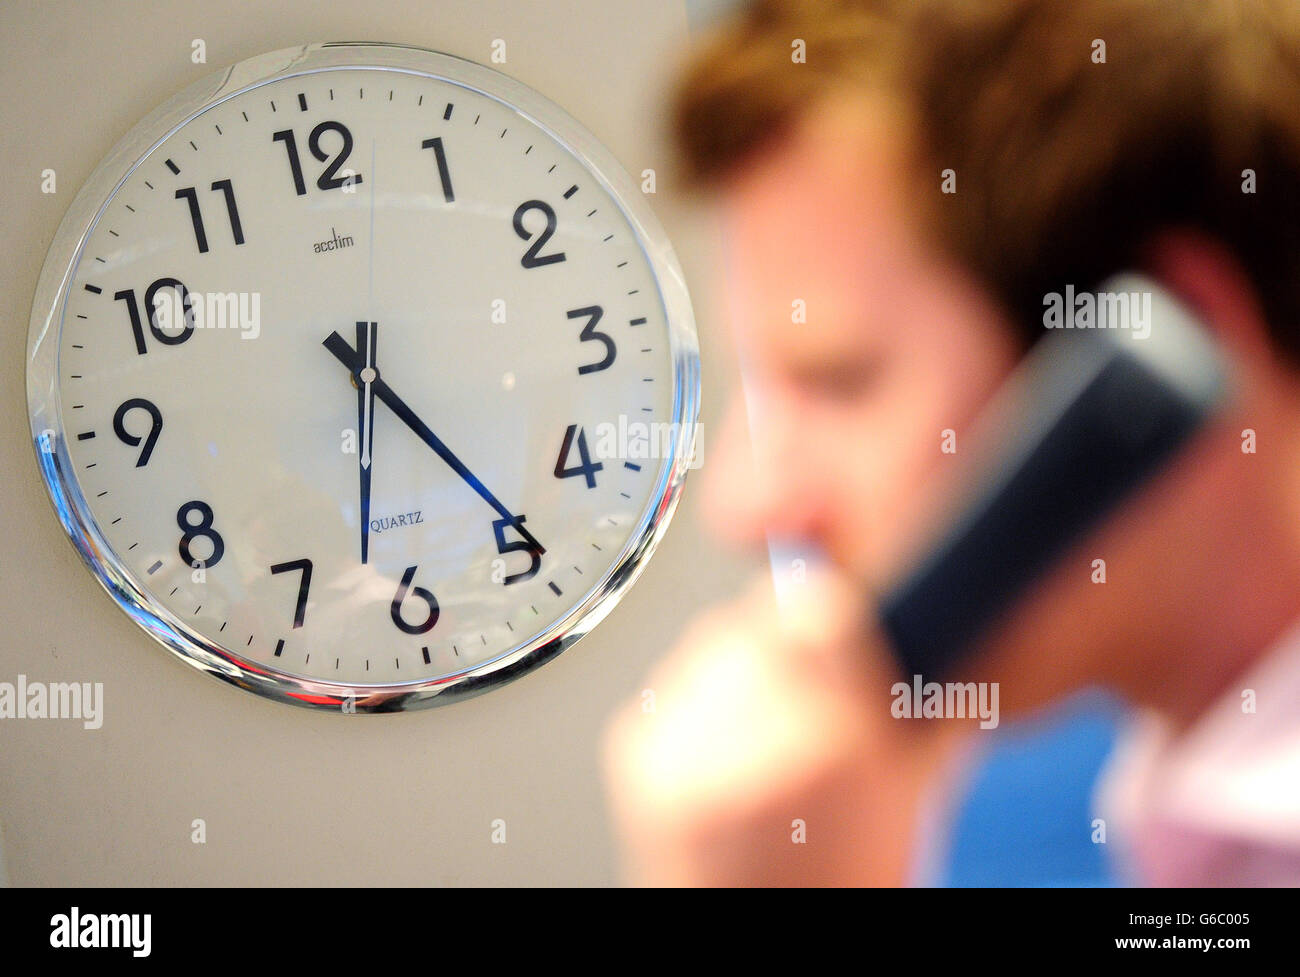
[362,377]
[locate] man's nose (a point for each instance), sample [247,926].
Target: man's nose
[758,481]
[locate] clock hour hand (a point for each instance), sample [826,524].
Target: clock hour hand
[355,363]
[367,339]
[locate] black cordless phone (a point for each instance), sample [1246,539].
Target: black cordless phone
[1091,414]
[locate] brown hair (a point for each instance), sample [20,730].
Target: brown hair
[1066,167]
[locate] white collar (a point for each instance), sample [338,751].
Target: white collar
[1220,804]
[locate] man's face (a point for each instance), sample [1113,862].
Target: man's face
[897,345]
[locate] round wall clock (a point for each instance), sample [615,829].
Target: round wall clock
[363,377]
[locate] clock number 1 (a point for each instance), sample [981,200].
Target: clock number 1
[436,145]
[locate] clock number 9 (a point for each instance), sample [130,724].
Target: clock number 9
[202,528]
[126,437]
[427,596]
[327,180]
[531,258]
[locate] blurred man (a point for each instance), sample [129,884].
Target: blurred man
[919,176]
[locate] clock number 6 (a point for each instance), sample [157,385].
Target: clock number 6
[194,530]
[427,596]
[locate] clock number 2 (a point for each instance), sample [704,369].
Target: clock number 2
[532,258]
[425,595]
[327,180]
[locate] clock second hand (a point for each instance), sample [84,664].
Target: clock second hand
[351,358]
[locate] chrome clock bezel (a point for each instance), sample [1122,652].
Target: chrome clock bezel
[48,429]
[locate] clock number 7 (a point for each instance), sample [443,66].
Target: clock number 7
[304,584]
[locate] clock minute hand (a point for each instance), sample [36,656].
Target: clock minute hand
[367,338]
[350,358]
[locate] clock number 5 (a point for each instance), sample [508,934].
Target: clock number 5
[427,596]
[327,180]
[527,545]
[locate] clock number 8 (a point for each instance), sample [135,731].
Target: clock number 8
[427,596]
[202,528]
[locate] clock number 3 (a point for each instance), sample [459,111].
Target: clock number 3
[405,588]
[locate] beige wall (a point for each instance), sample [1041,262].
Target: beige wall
[292,797]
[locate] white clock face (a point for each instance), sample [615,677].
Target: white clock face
[367,382]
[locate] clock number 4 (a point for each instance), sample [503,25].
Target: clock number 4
[586,467]
[191,195]
[327,180]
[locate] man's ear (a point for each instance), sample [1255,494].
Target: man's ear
[1208,277]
